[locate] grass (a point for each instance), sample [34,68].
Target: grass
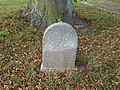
[21,52]
[11,6]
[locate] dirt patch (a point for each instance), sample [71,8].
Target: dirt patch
[108,6]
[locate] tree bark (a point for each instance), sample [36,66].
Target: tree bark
[46,12]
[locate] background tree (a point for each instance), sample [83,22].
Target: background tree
[46,12]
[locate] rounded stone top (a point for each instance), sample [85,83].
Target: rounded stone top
[60,36]
[59,25]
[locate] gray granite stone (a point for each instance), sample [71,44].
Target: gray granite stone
[59,47]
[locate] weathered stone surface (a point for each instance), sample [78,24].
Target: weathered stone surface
[59,47]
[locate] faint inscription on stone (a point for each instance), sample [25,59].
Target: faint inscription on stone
[59,47]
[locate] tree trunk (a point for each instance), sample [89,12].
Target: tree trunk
[46,12]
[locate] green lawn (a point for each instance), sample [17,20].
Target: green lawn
[21,52]
[11,6]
